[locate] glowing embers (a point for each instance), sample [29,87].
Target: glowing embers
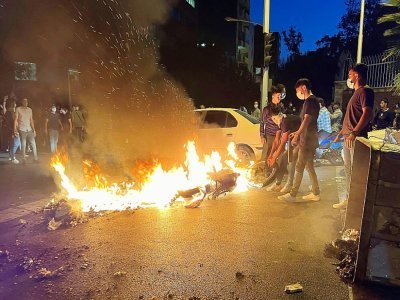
[157,187]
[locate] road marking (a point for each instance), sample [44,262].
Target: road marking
[21,210]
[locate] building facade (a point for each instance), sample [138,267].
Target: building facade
[234,37]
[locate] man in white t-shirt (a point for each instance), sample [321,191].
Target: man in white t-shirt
[24,125]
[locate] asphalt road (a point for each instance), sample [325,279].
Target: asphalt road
[241,246]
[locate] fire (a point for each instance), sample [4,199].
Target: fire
[160,187]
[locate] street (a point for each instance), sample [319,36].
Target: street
[239,246]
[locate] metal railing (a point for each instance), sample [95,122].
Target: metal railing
[381,72]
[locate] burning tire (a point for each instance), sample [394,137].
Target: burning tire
[262,175]
[245,153]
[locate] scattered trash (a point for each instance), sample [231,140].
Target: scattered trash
[26,265]
[63,213]
[194,204]
[345,250]
[18,242]
[22,222]
[44,273]
[239,275]
[293,288]
[119,274]
[53,224]
[84,266]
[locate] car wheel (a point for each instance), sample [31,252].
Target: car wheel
[245,153]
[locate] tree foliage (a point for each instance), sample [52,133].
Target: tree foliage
[293,40]
[393,33]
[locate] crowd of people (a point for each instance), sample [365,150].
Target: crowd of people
[290,140]
[19,131]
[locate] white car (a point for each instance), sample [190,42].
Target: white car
[220,126]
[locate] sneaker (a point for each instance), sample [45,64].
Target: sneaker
[15,161]
[312,197]
[286,189]
[274,188]
[287,197]
[10,159]
[341,205]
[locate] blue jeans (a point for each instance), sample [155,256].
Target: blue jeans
[53,135]
[30,137]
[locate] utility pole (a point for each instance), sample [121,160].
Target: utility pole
[360,33]
[265,78]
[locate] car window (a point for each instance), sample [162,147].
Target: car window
[230,121]
[222,119]
[248,117]
[214,117]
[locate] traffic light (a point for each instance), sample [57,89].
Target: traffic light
[271,48]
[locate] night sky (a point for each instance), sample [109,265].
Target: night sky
[313,18]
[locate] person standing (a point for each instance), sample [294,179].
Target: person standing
[306,140]
[256,112]
[12,138]
[384,117]
[78,123]
[336,117]
[356,120]
[324,117]
[268,128]
[25,127]
[52,126]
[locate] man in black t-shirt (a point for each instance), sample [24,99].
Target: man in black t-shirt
[306,140]
[384,117]
[355,122]
[52,126]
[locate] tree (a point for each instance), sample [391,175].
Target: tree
[394,32]
[293,40]
[346,38]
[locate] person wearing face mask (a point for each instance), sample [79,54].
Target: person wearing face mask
[355,123]
[52,125]
[306,140]
[256,113]
[268,128]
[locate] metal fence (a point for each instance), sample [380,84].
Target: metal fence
[381,72]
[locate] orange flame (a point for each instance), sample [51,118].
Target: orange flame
[157,188]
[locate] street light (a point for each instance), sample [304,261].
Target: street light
[230,19]
[360,32]
[71,72]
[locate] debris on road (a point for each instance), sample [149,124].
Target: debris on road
[119,274]
[63,213]
[23,222]
[53,224]
[26,264]
[239,275]
[44,274]
[345,250]
[293,288]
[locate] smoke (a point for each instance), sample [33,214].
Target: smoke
[134,109]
